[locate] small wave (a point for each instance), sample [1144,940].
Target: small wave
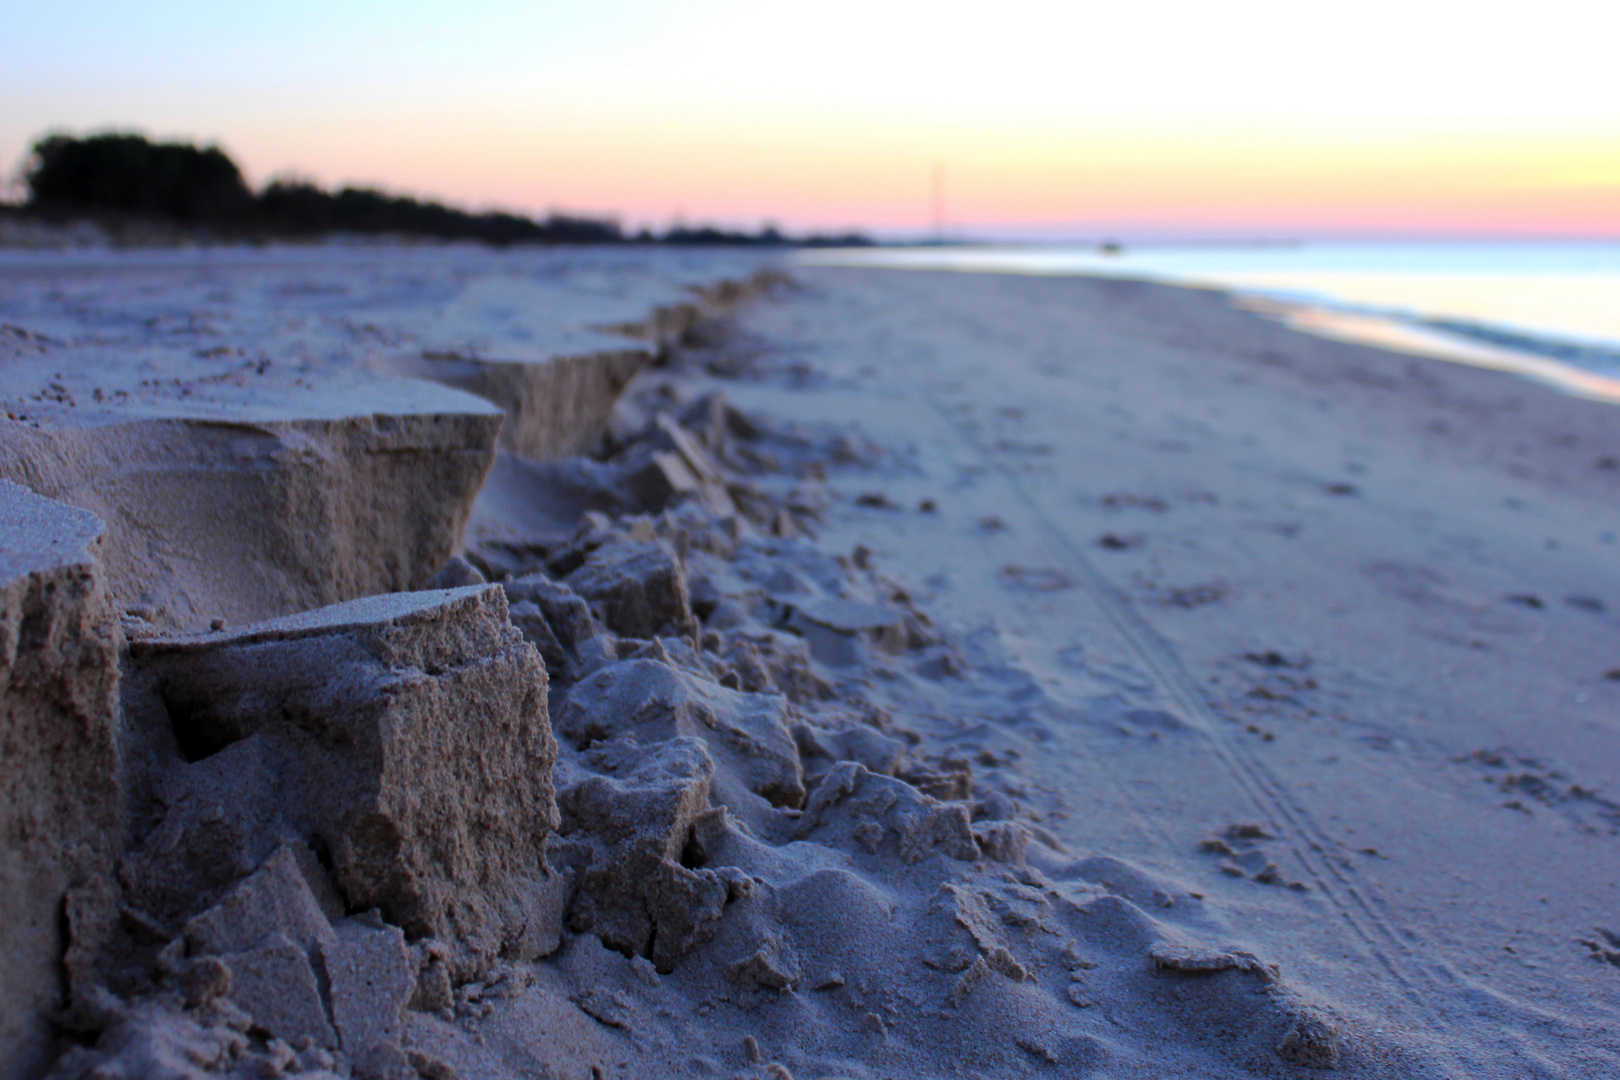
[1550,307]
[1600,359]
[1422,337]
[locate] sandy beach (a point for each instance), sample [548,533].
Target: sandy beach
[1360,599]
[837,673]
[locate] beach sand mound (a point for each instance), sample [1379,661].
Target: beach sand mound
[355,840]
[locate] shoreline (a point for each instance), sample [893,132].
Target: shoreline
[1544,355]
[1419,338]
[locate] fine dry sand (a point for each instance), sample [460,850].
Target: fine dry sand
[1363,601]
[925,675]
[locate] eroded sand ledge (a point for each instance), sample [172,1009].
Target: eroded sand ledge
[671,769]
[59,792]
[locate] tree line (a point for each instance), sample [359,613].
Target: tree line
[125,176]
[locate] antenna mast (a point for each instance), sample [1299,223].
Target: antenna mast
[938,192]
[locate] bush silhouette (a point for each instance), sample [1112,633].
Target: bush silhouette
[297,208]
[129,175]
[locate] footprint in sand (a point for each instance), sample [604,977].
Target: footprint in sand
[1192,596]
[1035,579]
[1604,947]
[1242,850]
[1527,783]
[1124,500]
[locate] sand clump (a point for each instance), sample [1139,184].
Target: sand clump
[555,407]
[402,736]
[650,779]
[256,504]
[59,792]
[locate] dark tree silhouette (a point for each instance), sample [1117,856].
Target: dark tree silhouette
[127,174]
[296,208]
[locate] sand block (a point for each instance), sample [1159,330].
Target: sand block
[668,434]
[255,503]
[558,622]
[885,815]
[558,398]
[405,736]
[776,661]
[634,893]
[714,421]
[277,949]
[275,985]
[836,629]
[670,324]
[275,899]
[639,587]
[663,479]
[677,449]
[649,701]
[371,977]
[59,791]
[879,753]
[667,462]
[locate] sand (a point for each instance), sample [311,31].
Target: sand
[930,675]
[1362,600]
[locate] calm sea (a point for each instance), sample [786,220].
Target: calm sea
[1550,311]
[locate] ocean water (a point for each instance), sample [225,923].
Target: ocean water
[1548,311]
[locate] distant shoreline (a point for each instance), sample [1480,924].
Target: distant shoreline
[1584,367]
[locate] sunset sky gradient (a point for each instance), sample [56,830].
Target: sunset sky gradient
[1146,119]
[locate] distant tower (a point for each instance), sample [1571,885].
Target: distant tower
[938,193]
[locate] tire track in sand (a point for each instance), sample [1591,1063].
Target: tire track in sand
[1424,978]
[1367,914]
[1425,989]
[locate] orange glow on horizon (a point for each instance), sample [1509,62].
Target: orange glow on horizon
[1159,177]
[1263,117]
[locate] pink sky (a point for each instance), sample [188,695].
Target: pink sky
[1254,118]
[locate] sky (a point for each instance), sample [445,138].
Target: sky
[1047,120]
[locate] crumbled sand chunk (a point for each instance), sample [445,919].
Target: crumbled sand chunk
[402,736]
[59,774]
